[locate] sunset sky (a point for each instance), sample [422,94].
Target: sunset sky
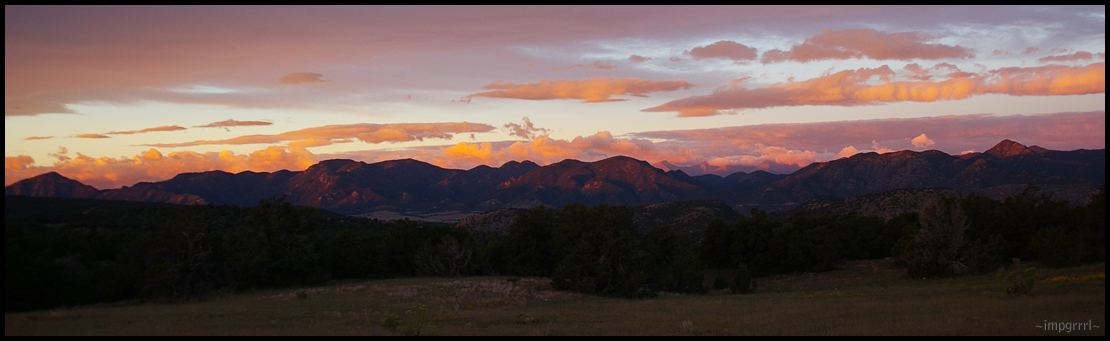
[111,96]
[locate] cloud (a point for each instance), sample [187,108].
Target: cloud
[597,64]
[867,43]
[17,162]
[546,150]
[61,155]
[147,130]
[526,130]
[724,49]
[796,144]
[868,86]
[674,59]
[848,151]
[38,137]
[638,59]
[922,141]
[152,165]
[952,134]
[879,148]
[365,132]
[91,136]
[302,78]
[1074,57]
[245,48]
[593,90]
[233,123]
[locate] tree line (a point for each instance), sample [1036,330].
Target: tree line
[175,253]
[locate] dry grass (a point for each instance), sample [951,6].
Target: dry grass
[867,298]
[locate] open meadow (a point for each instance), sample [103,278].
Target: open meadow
[863,297]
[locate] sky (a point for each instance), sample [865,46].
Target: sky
[112,96]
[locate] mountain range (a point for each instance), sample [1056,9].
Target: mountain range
[353,187]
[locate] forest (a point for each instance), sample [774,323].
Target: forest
[62,253]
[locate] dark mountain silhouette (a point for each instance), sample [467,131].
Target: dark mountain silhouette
[352,187]
[50,185]
[1002,170]
[614,181]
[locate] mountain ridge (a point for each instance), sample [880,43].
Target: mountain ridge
[355,187]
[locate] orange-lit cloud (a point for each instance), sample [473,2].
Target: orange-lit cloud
[795,145]
[38,137]
[848,151]
[152,165]
[545,150]
[91,136]
[1050,80]
[868,86]
[365,132]
[597,65]
[17,162]
[922,141]
[526,130]
[147,130]
[591,90]
[1074,57]
[724,49]
[790,146]
[234,123]
[302,78]
[866,43]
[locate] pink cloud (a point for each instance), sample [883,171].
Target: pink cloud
[597,65]
[234,123]
[38,137]
[638,59]
[302,78]
[796,145]
[365,132]
[147,130]
[952,134]
[593,90]
[724,49]
[526,130]
[866,43]
[1074,57]
[856,87]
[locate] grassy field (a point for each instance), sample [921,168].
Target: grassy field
[868,297]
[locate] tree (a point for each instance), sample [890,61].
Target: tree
[674,266]
[716,247]
[936,246]
[447,258]
[608,258]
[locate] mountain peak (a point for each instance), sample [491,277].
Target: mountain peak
[1008,148]
[50,184]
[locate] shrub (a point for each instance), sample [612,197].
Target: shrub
[416,324]
[742,280]
[391,321]
[1019,281]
